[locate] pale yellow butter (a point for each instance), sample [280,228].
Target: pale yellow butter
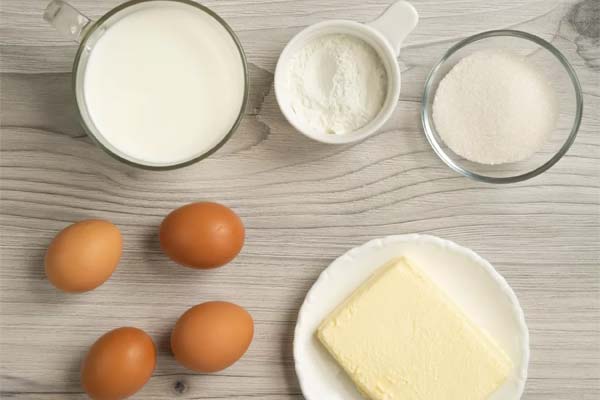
[399,337]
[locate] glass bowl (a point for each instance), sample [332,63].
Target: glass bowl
[563,79]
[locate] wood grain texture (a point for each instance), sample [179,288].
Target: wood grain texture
[303,203]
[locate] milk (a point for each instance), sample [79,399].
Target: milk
[164,83]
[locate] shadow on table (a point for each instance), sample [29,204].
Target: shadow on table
[41,101]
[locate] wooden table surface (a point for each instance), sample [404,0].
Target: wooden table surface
[303,204]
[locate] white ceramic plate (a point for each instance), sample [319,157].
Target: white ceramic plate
[468,279]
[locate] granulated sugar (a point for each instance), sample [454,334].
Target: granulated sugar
[495,107]
[338,84]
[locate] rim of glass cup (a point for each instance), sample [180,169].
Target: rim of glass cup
[98,23]
[431,133]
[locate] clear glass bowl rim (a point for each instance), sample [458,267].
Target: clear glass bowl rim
[96,24]
[427,111]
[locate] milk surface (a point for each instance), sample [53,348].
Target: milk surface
[164,83]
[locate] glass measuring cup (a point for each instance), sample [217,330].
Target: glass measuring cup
[79,28]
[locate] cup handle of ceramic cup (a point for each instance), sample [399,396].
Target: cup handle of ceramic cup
[396,23]
[67,20]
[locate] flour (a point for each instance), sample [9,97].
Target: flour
[495,107]
[337,84]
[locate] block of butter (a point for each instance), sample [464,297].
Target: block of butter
[399,337]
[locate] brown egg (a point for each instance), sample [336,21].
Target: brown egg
[211,336]
[118,364]
[202,235]
[83,255]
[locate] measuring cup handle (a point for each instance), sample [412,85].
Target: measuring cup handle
[66,19]
[396,23]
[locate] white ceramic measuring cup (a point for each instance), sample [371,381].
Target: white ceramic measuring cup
[385,34]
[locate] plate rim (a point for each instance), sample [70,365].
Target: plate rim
[506,289]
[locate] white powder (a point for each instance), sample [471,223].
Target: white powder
[495,107]
[337,84]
